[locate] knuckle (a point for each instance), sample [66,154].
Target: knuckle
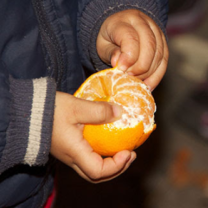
[151,43]
[143,67]
[132,36]
[101,113]
[75,111]
[160,52]
[131,58]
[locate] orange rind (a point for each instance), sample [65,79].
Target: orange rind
[137,121]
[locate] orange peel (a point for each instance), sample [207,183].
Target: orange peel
[137,121]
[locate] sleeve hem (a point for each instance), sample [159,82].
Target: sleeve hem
[30,128]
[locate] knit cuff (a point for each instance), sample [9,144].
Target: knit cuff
[101,10]
[29,132]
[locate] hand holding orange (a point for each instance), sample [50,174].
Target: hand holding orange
[137,121]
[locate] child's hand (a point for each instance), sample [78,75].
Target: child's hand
[69,146]
[133,40]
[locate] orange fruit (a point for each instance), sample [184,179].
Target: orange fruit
[137,121]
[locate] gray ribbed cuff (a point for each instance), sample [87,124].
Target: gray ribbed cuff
[29,132]
[90,24]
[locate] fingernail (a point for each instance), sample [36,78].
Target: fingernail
[130,73]
[149,88]
[122,67]
[117,111]
[132,160]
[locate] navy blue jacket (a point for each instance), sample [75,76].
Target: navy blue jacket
[45,45]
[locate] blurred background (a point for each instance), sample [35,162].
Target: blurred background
[171,169]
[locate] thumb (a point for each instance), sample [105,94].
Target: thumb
[129,46]
[124,49]
[91,112]
[120,45]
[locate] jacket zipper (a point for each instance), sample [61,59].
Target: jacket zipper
[50,41]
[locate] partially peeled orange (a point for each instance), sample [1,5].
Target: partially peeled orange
[137,121]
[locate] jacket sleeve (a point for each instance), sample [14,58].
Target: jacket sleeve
[26,109]
[92,14]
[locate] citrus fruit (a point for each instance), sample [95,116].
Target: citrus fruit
[137,121]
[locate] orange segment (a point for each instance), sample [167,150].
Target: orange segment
[137,122]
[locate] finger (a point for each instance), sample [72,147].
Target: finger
[127,39]
[147,50]
[156,77]
[87,178]
[84,111]
[98,169]
[132,158]
[115,56]
[159,49]
[158,55]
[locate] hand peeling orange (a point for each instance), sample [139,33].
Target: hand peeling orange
[137,121]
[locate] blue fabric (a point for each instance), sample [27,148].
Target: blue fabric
[4,105]
[22,185]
